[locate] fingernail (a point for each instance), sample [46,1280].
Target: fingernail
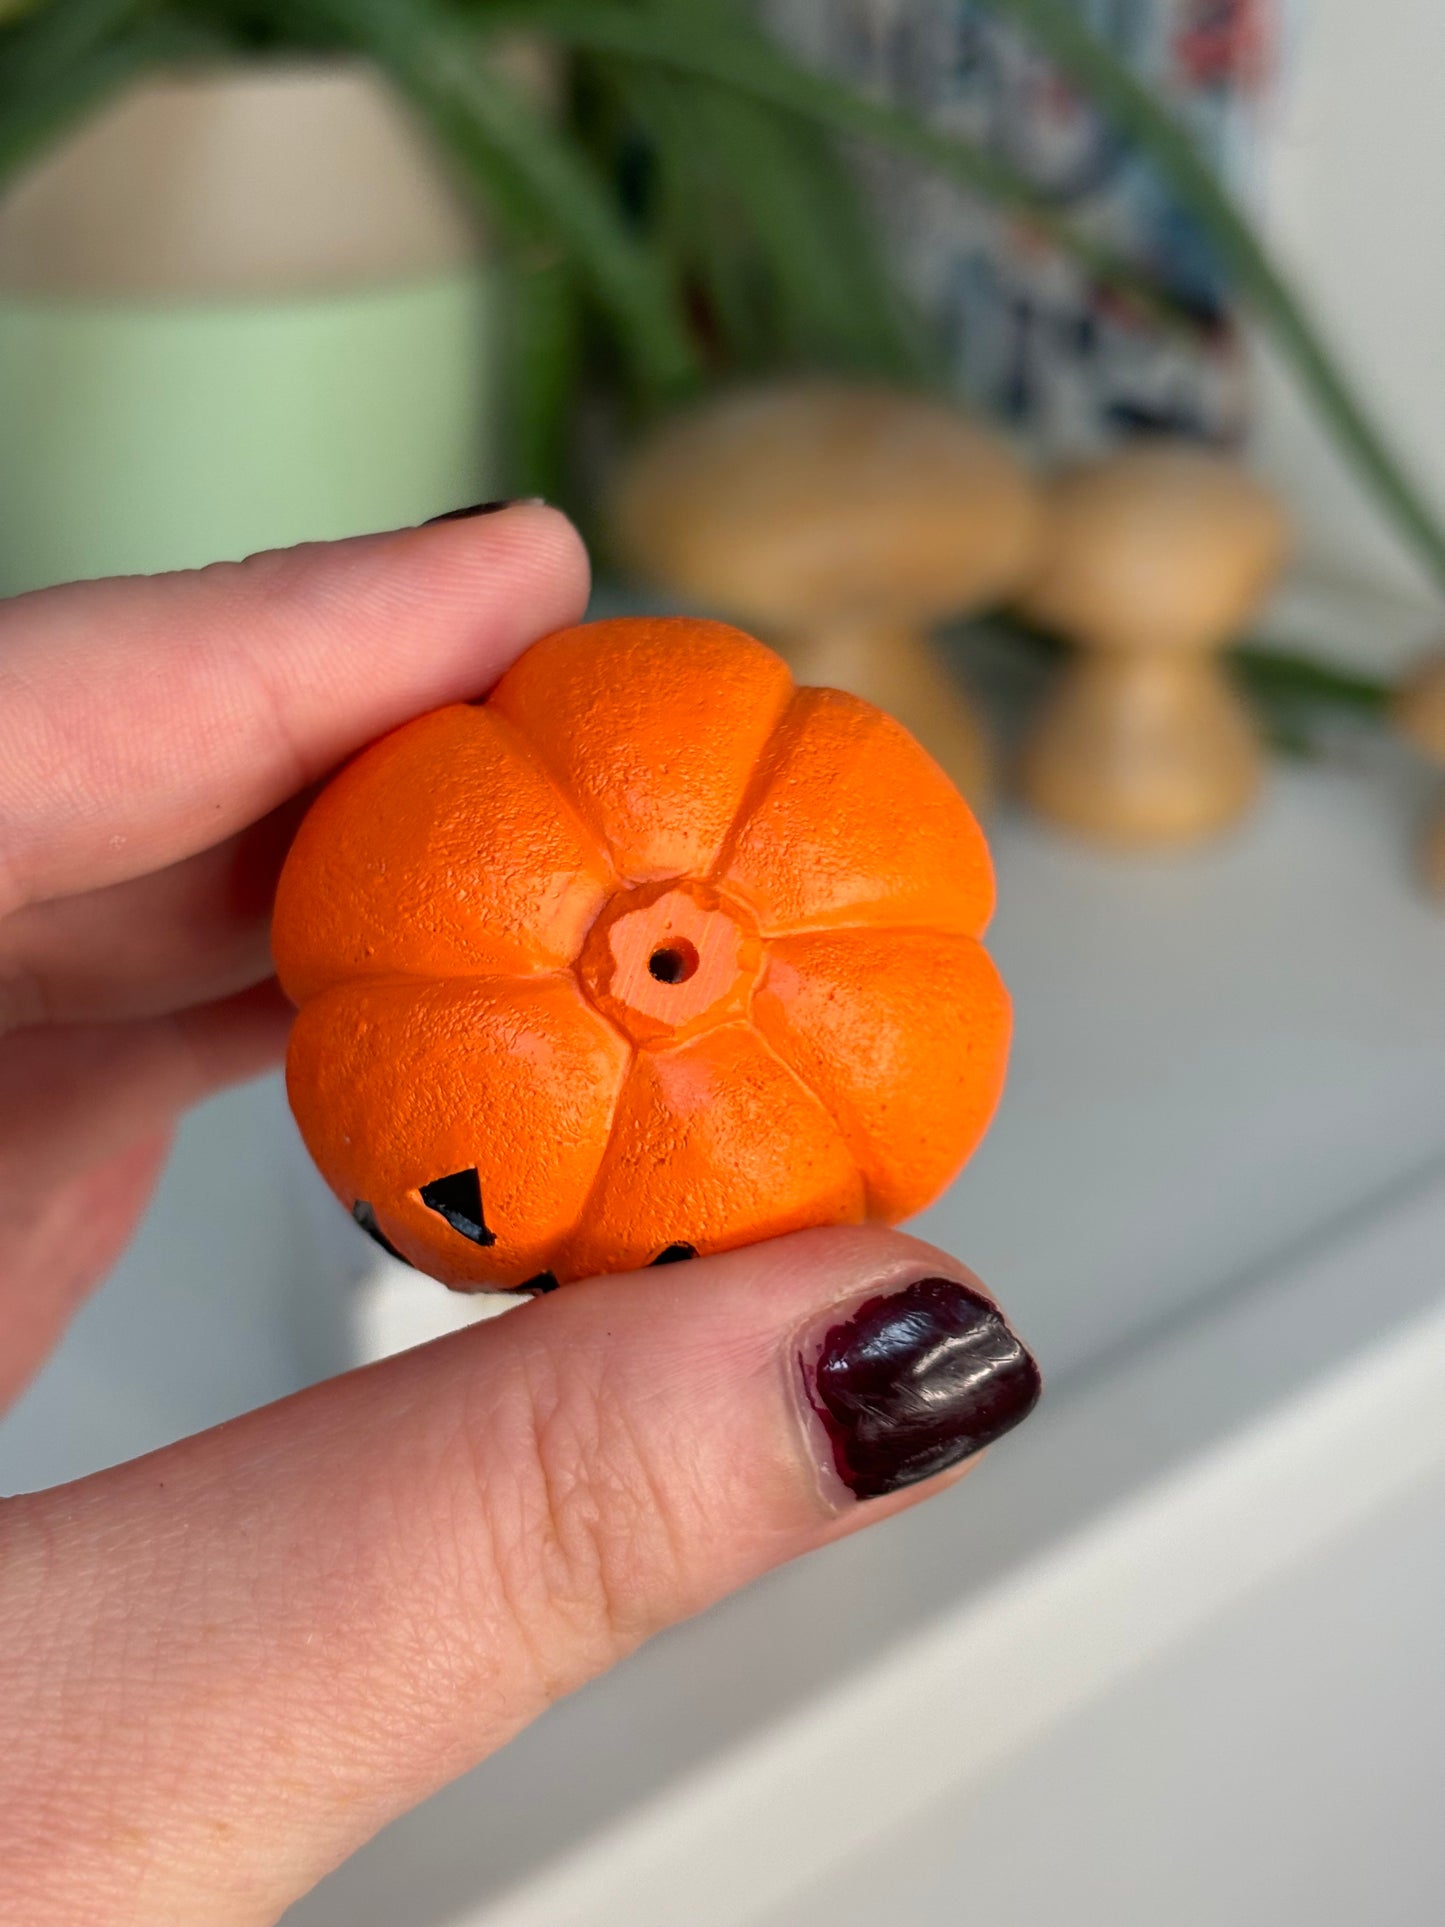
[907,1384]
[487,508]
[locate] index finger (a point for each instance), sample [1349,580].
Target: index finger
[145,718]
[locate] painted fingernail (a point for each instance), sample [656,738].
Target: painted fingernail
[487,508]
[909,1383]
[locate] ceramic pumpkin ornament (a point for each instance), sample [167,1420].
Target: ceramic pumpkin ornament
[649,954]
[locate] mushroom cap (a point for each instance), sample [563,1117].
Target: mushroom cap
[1420,708]
[799,504]
[1159,546]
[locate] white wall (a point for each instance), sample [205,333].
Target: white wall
[1353,197]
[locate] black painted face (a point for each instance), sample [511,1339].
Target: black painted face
[458,1199]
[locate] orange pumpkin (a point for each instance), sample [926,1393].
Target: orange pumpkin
[649,954]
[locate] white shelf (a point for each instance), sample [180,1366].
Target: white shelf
[1213,1201]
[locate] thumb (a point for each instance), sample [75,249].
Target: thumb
[224,1666]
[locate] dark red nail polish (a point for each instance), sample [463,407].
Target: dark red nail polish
[915,1381]
[486,508]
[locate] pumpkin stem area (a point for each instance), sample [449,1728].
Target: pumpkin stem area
[666,960]
[673,963]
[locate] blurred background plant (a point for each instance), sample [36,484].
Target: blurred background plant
[686,211]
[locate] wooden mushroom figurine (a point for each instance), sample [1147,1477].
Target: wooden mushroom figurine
[1420,714]
[1153,559]
[840,523]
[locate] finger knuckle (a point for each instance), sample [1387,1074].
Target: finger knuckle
[583,1534]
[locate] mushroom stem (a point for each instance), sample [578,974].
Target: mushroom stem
[894,666]
[1153,558]
[1142,748]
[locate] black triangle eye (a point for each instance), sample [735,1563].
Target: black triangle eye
[363,1214]
[458,1199]
[675,1255]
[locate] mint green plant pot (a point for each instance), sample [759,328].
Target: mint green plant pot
[241,310]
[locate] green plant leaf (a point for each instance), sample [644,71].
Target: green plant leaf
[60,60]
[1275,672]
[1099,74]
[53,33]
[544,326]
[529,172]
[799,213]
[808,224]
[758,206]
[687,202]
[737,57]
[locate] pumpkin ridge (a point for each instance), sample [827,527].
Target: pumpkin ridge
[826,835]
[533,754]
[448,976]
[793,932]
[622,1083]
[806,1088]
[849,1136]
[764,768]
[830,986]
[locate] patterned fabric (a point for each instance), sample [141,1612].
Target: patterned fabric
[1027,335]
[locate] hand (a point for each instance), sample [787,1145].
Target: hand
[224,1666]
